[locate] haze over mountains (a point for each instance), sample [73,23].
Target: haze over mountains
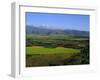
[47,31]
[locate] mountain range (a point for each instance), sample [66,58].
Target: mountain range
[47,31]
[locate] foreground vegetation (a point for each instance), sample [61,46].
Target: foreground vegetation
[52,50]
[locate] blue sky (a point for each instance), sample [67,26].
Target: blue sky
[58,21]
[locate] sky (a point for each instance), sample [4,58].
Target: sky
[58,21]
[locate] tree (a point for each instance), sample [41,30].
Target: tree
[85,55]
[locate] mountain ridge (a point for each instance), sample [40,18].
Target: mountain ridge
[46,31]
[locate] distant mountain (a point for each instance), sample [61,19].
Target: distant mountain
[46,31]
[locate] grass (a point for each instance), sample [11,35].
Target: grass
[42,50]
[41,56]
[53,37]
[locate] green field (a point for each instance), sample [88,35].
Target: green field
[58,50]
[40,56]
[54,50]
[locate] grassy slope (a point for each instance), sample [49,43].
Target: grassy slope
[40,56]
[42,50]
